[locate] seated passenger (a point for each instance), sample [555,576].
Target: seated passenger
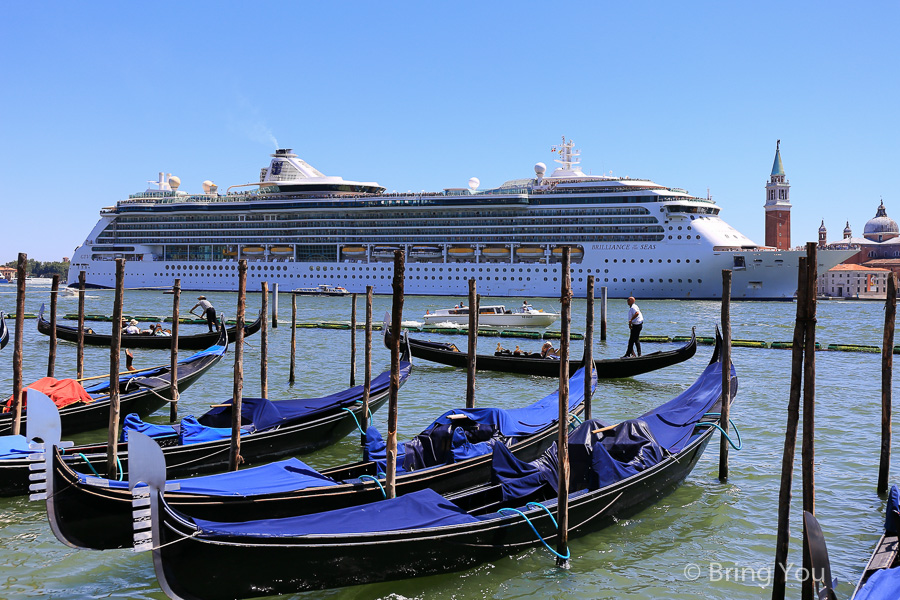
[548,351]
[132,328]
[517,352]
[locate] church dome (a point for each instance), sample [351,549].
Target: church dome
[881,227]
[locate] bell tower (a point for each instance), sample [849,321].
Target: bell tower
[823,235]
[778,206]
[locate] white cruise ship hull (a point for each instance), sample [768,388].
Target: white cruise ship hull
[628,270]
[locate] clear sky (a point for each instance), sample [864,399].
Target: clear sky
[98,97]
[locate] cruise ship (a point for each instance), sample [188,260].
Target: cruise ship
[300,228]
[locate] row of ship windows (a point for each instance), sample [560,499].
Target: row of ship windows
[379,217]
[211,268]
[409,239]
[450,278]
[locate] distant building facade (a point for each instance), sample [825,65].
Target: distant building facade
[854,281]
[778,206]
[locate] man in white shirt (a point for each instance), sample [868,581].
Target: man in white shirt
[635,324]
[132,328]
[208,310]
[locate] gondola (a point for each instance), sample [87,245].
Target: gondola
[146,341]
[4,332]
[96,513]
[534,364]
[195,448]
[881,578]
[425,533]
[142,391]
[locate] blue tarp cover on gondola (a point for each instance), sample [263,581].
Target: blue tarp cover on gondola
[885,584]
[519,479]
[882,585]
[441,443]
[672,424]
[425,508]
[133,422]
[892,513]
[265,414]
[14,446]
[278,477]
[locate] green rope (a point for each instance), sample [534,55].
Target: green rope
[121,470]
[530,524]
[358,427]
[740,443]
[383,493]
[576,417]
[89,464]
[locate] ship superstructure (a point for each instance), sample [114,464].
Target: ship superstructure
[300,228]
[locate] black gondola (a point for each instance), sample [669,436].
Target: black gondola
[4,332]
[425,533]
[535,364]
[146,341]
[142,391]
[93,513]
[881,578]
[337,415]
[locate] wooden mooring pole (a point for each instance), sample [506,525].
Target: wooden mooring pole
[112,447]
[807,452]
[726,374]
[18,343]
[79,353]
[51,356]
[264,344]
[234,457]
[367,369]
[176,299]
[790,438]
[887,368]
[588,359]
[352,340]
[275,305]
[562,443]
[291,374]
[473,345]
[396,319]
[603,292]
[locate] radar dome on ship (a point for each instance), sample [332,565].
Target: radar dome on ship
[540,168]
[209,187]
[174,182]
[474,182]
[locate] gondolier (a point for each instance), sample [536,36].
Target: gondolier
[635,324]
[208,310]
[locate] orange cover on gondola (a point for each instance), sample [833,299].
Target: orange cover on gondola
[63,392]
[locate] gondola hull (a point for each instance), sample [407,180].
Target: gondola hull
[207,457]
[99,518]
[192,567]
[144,400]
[610,368]
[146,341]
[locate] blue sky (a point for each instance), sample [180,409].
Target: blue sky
[99,97]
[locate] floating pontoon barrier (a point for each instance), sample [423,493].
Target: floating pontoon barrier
[854,348]
[658,339]
[749,343]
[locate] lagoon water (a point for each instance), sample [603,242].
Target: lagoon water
[705,540]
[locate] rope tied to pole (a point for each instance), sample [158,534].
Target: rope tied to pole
[375,479]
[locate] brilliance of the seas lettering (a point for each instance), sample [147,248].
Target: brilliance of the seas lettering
[623,247]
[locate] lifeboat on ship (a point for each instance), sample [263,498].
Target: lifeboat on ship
[576,252]
[529,253]
[495,252]
[461,252]
[230,253]
[353,251]
[253,250]
[281,250]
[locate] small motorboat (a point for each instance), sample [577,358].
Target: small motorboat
[494,316]
[322,290]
